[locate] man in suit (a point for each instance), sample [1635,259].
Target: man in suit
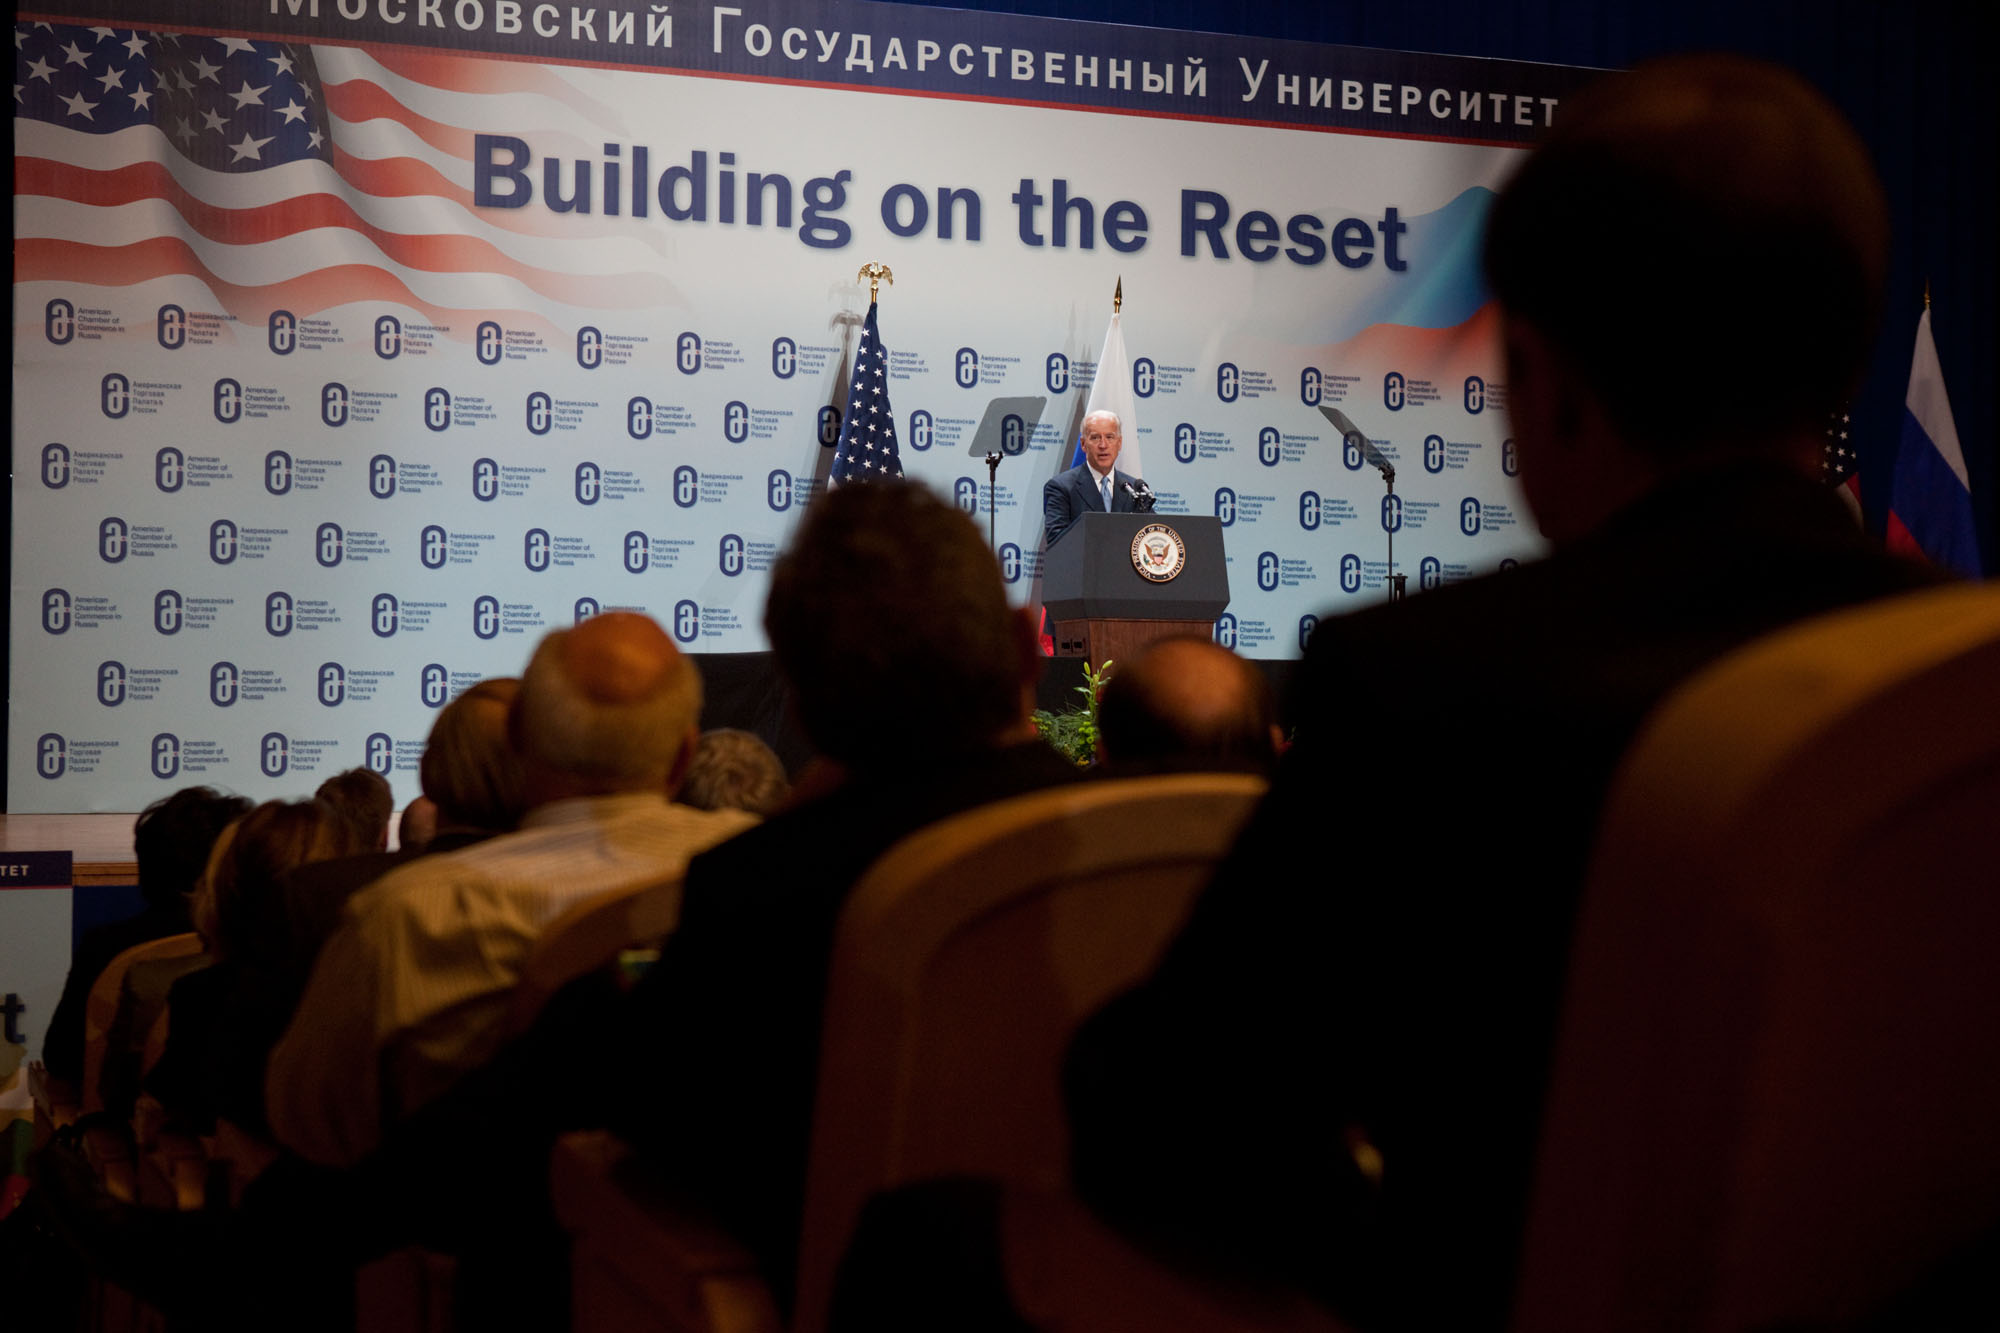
[1334,1080]
[1094,486]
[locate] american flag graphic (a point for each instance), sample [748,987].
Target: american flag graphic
[294,177]
[1839,460]
[867,449]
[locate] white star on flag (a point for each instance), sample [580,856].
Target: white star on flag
[855,455]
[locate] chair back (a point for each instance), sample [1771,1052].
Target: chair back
[1777,1080]
[581,938]
[101,1007]
[964,959]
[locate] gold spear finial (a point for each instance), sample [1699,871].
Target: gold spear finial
[877,274]
[1927,293]
[1118,295]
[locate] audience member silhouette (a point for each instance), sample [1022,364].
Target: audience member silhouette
[361,796]
[171,839]
[1187,704]
[1334,1080]
[411,990]
[472,787]
[733,1005]
[735,770]
[226,1017]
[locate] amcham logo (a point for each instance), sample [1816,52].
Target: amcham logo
[485,617]
[225,684]
[638,552]
[784,358]
[57,610]
[224,541]
[589,483]
[228,397]
[536,549]
[433,685]
[485,480]
[433,546]
[114,539]
[55,466]
[589,347]
[384,615]
[169,611]
[169,469]
[541,413]
[274,754]
[51,755]
[333,400]
[281,332]
[1056,373]
[778,491]
[59,324]
[486,343]
[330,684]
[1225,630]
[164,755]
[111,683]
[378,752]
[382,476]
[1312,386]
[280,614]
[278,472]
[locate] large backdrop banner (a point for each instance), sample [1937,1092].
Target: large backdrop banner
[358,342]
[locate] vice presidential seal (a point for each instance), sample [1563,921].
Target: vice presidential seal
[1158,553]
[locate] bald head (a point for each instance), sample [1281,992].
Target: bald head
[611,705]
[1699,224]
[1187,701]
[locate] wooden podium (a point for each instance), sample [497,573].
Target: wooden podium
[1099,605]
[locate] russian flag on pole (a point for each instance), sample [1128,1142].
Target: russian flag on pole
[1930,503]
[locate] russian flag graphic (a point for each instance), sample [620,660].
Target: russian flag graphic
[1930,505]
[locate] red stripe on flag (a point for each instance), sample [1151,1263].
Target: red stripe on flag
[429,253]
[310,292]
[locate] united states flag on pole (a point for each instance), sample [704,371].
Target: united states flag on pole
[292,177]
[1930,504]
[867,449]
